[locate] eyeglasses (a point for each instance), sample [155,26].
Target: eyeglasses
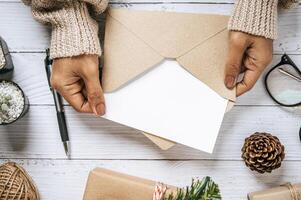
[283,84]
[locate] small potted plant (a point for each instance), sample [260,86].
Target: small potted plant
[6,63]
[13,102]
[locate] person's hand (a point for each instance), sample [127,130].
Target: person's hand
[249,54]
[77,80]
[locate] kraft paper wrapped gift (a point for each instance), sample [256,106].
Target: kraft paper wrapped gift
[285,192]
[136,42]
[105,184]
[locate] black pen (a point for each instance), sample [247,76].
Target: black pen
[59,107]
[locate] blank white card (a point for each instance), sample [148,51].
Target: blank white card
[169,102]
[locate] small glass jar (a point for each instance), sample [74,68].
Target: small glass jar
[6,64]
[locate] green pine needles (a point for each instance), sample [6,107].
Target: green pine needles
[205,189]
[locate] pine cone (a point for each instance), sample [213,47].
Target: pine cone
[263,152]
[286,4]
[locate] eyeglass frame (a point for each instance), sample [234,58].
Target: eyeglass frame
[285,60]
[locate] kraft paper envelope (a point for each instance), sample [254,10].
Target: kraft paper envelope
[138,41]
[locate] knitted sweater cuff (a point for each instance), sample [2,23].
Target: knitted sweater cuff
[256,17]
[74,31]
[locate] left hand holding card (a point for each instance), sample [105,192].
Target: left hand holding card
[77,80]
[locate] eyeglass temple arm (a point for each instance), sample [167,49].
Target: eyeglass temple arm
[289,74]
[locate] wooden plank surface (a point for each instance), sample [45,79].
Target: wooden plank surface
[34,141]
[61,179]
[37,136]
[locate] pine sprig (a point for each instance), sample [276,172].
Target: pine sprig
[205,189]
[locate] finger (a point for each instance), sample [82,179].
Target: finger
[71,93]
[95,93]
[233,64]
[76,100]
[84,92]
[249,80]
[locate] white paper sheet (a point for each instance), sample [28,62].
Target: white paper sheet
[169,102]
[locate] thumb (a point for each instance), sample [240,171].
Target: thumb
[95,94]
[233,63]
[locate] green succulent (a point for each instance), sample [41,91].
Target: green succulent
[5,103]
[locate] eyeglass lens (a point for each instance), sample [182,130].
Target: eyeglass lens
[284,84]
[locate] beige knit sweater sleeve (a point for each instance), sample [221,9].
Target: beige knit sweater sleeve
[257,17]
[74,31]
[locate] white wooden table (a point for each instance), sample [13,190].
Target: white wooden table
[34,141]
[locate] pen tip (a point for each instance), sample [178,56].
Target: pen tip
[67,150]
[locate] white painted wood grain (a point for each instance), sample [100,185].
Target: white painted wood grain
[96,142]
[35,37]
[37,136]
[62,179]
[30,74]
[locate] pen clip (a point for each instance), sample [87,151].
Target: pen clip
[48,63]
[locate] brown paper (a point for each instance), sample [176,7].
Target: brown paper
[163,143]
[277,193]
[104,184]
[136,41]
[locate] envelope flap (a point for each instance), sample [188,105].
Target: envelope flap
[125,56]
[168,33]
[136,41]
[207,63]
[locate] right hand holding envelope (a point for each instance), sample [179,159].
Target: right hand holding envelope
[77,80]
[249,54]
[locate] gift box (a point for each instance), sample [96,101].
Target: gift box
[104,184]
[284,192]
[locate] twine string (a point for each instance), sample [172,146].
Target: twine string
[295,195]
[22,192]
[159,191]
[19,187]
[11,181]
[16,184]
[7,185]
